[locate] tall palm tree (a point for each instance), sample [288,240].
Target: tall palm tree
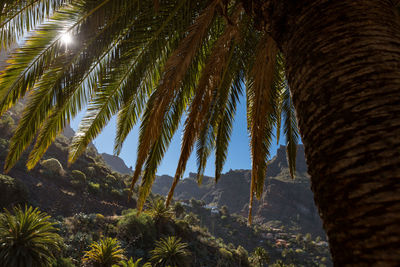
[153,60]
[104,253]
[170,251]
[27,238]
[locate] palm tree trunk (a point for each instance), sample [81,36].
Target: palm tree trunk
[343,67]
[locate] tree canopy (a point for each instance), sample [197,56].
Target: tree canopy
[157,62]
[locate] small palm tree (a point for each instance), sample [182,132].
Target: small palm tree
[27,238]
[159,211]
[130,263]
[104,253]
[260,257]
[170,251]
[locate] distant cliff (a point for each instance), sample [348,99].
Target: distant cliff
[116,163]
[284,199]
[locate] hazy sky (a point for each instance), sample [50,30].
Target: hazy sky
[238,153]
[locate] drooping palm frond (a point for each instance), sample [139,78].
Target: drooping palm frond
[260,113]
[174,72]
[132,108]
[147,61]
[290,130]
[284,107]
[200,106]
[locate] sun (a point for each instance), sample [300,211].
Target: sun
[66,38]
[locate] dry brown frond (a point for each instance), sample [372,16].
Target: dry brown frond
[260,108]
[206,91]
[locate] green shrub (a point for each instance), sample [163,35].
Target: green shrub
[12,191]
[78,175]
[192,219]
[226,254]
[76,184]
[94,187]
[90,171]
[116,193]
[243,255]
[111,177]
[6,123]
[137,227]
[3,147]
[52,165]
[63,262]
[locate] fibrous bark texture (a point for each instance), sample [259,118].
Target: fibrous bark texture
[343,67]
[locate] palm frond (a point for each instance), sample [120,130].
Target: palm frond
[79,79]
[260,113]
[279,85]
[170,124]
[19,17]
[174,72]
[205,92]
[224,129]
[51,87]
[169,127]
[290,130]
[30,61]
[151,72]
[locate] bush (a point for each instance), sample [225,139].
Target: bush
[53,165]
[137,227]
[94,188]
[78,175]
[3,148]
[6,123]
[226,254]
[243,255]
[90,171]
[12,191]
[111,177]
[116,193]
[63,262]
[76,184]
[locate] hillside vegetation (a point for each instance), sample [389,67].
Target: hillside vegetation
[88,202]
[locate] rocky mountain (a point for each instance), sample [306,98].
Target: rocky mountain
[284,200]
[116,163]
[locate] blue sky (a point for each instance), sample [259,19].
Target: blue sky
[238,152]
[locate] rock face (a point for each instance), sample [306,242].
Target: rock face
[284,199]
[116,163]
